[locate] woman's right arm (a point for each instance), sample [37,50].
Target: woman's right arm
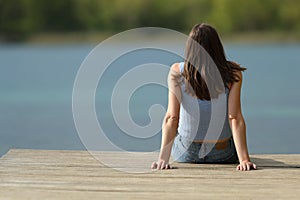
[170,123]
[238,125]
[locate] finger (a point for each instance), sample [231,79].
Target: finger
[160,165]
[244,167]
[241,167]
[238,167]
[254,166]
[154,165]
[163,165]
[248,166]
[166,166]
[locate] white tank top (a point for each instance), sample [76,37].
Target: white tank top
[195,116]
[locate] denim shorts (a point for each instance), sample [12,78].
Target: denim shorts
[184,150]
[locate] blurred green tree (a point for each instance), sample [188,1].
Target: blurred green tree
[21,18]
[13,23]
[289,13]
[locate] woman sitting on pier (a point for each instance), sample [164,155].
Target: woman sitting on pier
[195,100]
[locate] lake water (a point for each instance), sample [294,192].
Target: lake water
[36,85]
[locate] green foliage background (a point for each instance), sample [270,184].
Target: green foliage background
[19,19]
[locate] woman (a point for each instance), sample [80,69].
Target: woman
[184,132]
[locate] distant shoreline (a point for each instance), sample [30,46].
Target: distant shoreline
[97,37]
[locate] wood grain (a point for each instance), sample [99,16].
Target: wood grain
[55,174]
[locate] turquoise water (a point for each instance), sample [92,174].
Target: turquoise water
[36,97]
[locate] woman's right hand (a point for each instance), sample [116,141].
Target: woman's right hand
[160,164]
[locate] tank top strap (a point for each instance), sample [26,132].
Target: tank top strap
[181,66]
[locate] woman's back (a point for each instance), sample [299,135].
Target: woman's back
[195,116]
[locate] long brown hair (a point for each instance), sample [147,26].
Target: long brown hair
[198,70]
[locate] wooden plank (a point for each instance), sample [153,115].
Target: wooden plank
[39,174]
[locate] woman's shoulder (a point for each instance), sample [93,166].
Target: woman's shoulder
[239,75]
[175,74]
[177,67]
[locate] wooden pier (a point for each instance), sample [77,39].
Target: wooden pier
[53,174]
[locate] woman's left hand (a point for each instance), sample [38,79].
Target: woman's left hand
[246,166]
